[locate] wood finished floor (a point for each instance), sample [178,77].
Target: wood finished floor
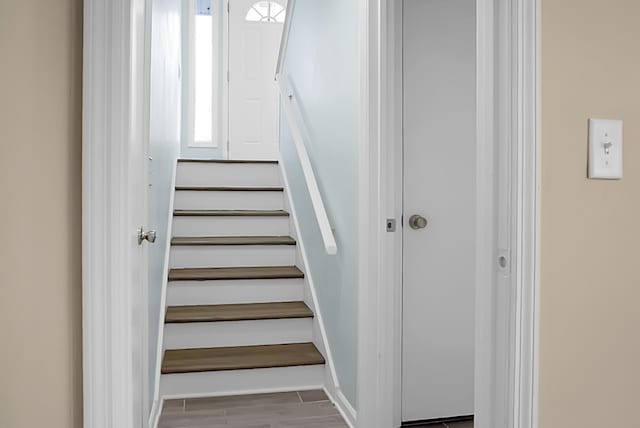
[304,409]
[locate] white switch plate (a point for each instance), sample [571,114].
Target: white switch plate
[605,149]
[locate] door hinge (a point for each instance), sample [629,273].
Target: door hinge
[228,77]
[228,7]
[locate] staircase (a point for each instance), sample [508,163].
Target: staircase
[238,318]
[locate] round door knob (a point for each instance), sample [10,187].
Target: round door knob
[149,236]
[417,222]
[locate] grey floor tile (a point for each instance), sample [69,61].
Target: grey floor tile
[172,406]
[321,422]
[230,402]
[191,421]
[280,410]
[313,395]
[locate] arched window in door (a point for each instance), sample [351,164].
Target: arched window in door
[266,11]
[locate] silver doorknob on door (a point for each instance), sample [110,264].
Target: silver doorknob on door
[417,222]
[149,236]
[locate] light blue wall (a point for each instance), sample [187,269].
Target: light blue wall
[323,67]
[164,146]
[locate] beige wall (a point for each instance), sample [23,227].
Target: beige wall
[590,303]
[40,214]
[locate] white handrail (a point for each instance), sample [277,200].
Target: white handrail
[329,239]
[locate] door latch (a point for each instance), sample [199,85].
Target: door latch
[391,225]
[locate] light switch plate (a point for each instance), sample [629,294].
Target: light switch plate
[605,149]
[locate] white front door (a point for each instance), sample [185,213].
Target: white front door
[439,185]
[255,28]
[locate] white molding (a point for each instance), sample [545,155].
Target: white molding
[112,123]
[284,40]
[485,230]
[156,412]
[157,399]
[506,382]
[528,214]
[331,381]
[344,407]
[225,81]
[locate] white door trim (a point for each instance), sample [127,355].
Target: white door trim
[507,321]
[113,118]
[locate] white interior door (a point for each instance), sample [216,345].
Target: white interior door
[255,28]
[439,62]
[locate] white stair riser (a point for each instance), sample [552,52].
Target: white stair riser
[235,382]
[228,200]
[231,226]
[202,256]
[237,333]
[226,292]
[227,174]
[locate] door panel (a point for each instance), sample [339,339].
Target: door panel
[439,61]
[253,95]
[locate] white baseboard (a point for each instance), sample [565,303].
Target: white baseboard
[343,405]
[156,410]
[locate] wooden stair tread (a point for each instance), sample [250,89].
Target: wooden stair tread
[204,274]
[234,240]
[228,189]
[230,213]
[240,358]
[237,312]
[225,161]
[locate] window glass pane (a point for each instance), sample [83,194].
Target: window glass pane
[253,15]
[203,126]
[266,11]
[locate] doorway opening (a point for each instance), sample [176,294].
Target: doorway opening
[481,256]
[230,102]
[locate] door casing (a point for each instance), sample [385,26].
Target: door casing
[507,209]
[114,163]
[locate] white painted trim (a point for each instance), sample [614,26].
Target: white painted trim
[225,81]
[506,383]
[156,412]
[485,231]
[157,400]
[331,381]
[286,96]
[344,407]
[284,40]
[188,103]
[113,120]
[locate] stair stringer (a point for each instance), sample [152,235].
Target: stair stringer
[320,340]
[156,405]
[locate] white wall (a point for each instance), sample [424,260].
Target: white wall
[323,67]
[164,145]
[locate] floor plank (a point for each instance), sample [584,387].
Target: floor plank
[273,410]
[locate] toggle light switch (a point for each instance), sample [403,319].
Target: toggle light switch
[605,149]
